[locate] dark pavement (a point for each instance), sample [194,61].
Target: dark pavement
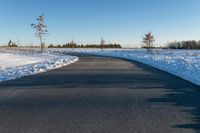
[100,95]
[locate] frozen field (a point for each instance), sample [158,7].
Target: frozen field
[182,63]
[8,60]
[15,65]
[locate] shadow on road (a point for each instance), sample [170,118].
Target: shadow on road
[183,95]
[179,93]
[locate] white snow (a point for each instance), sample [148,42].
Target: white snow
[182,63]
[8,60]
[20,64]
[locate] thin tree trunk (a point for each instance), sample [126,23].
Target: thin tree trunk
[41,45]
[102,48]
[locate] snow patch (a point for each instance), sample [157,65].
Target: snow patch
[14,66]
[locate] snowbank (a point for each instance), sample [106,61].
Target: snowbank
[182,63]
[13,66]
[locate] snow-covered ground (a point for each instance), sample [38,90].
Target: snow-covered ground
[18,64]
[8,60]
[182,63]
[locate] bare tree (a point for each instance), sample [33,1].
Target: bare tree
[41,30]
[148,40]
[102,43]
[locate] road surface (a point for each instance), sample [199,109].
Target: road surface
[100,95]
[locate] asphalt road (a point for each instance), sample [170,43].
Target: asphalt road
[100,95]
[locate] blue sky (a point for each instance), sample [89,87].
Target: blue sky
[85,21]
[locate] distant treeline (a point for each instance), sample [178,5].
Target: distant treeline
[184,45]
[71,45]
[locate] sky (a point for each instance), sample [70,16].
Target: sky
[86,21]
